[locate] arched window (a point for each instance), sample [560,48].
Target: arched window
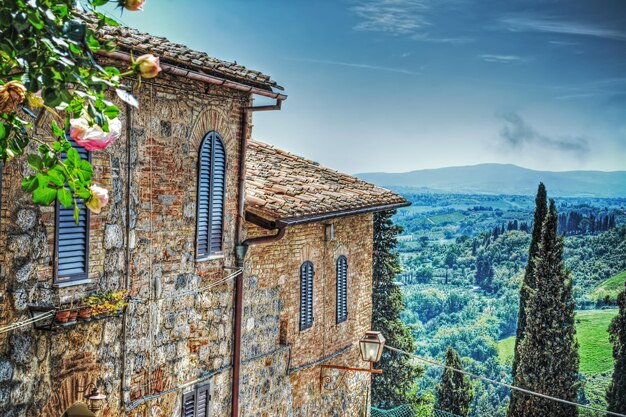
[306,295]
[342,289]
[211,188]
[71,247]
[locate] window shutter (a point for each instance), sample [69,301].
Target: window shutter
[72,240]
[203,399]
[342,289]
[217,195]
[306,295]
[197,403]
[211,189]
[189,404]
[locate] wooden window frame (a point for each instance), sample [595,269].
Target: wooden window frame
[212,137]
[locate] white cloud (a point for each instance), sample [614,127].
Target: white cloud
[503,59]
[396,17]
[355,65]
[535,24]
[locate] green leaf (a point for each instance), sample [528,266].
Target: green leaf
[111,112]
[84,170]
[29,184]
[56,176]
[98,3]
[42,180]
[73,157]
[76,214]
[65,197]
[44,196]
[51,96]
[2,130]
[84,193]
[35,162]
[57,130]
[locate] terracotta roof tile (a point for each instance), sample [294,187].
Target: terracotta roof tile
[131,39]
[280,185]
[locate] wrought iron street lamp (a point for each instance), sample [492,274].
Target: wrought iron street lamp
[371,347]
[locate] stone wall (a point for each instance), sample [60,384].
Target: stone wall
[145,241]
[280,363]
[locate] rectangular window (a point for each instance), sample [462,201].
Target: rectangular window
[71,247]
[197,403]
[306,295]
[342,289]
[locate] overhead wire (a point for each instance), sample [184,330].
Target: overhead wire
[503,384]
[27,322]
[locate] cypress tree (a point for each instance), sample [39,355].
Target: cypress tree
[454,392]
[616,394]
[396,385]
[528,284]
[548,353]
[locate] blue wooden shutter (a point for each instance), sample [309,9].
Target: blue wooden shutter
[197,403]
[211,189]
[342,289]
[72,240]
[189,405]
[203,400]
[306,295]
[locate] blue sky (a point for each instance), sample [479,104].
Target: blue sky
[397,85]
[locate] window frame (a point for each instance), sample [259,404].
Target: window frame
[304,323]
[342,316]
[73,279]
[213,137]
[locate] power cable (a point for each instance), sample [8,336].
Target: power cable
[503,384]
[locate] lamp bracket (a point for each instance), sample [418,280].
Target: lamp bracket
[325,378]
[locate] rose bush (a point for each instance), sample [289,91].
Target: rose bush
[47,63]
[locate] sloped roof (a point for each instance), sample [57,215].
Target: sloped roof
[289,189]
[129,39]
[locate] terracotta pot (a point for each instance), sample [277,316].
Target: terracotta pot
[73,315]
[84,313]
[62,316]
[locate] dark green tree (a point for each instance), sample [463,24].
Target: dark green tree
[548,353]
[528,284]
[616,394]
[396,385]
[454,392]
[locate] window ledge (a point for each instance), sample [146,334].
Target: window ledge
[214,257]
[72,283]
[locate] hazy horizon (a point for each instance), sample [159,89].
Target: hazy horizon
[399,85]
[490,163]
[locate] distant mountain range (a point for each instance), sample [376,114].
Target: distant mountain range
[505,179]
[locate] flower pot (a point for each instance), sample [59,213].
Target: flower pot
[73,315]
[85,313]
[62,316]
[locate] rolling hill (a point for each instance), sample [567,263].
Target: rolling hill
[505,179]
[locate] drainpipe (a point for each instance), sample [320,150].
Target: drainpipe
[241,247]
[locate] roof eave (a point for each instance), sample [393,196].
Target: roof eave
[179,69]
[312,218]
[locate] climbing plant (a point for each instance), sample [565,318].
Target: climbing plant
[48,65]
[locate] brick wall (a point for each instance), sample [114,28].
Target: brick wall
[271,327]
[162,341]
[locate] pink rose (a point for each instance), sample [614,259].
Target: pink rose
[93,137]
[148,66]
[132,5]
[98,200]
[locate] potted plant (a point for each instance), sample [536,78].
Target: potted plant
[85,311]
[73,311]
[62,316]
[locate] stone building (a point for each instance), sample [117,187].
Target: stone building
[175,234]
